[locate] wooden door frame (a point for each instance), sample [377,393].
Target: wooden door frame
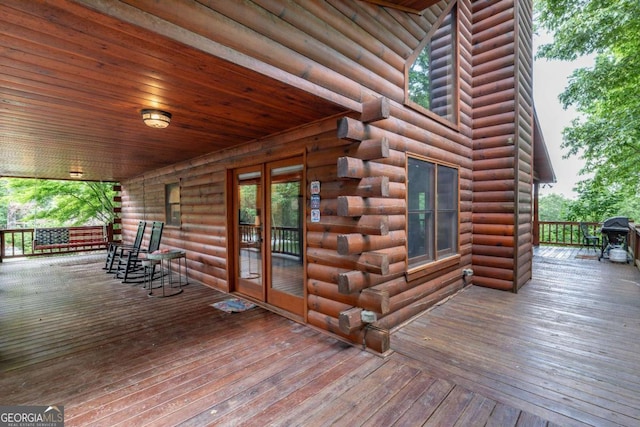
[233,233]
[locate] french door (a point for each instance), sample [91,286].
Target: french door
[268,234]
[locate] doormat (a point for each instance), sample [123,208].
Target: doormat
[233,305]
[586,256]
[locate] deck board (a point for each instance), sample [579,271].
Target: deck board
[564,348]
[560,352]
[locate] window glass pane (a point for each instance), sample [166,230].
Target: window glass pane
[432,75]
[421,202]
[447,233]
[420,238]
[447,211]
[421,184]
[174,193]
[175,214]
[172,206]
[447,188]
[432,227]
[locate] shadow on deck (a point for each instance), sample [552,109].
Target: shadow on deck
[563,351]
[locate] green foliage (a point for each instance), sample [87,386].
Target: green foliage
[4,203]
[59,203]
[285,204]
[420,79]
[553,207]
[597,204]
[607,135]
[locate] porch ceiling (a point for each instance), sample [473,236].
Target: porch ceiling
[73,82]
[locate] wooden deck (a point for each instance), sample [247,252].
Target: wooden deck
[561,352]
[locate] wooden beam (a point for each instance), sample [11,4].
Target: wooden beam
[349,167]
[375,110]
[355,243]
[358,206]
[350,320]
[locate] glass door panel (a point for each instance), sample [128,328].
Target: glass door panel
[286,215]
[269,215]
[249,234]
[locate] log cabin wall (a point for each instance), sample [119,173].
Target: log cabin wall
[503,140]
[525,143]
[356,256]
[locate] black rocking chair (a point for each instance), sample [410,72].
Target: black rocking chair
[115,250]
[130,268]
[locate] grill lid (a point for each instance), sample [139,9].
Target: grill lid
[617,223]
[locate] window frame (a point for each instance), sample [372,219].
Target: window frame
[455,96]
[168,205]
[438,262]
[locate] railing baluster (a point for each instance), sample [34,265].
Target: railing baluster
[564,233]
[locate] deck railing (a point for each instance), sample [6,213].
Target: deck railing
[287,240]
[565,233]
[634,244]
[18,242]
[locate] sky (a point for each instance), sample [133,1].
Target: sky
[549,80]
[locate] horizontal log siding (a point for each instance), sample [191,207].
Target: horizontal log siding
[409,132]
[356,255]
[495,152]
[351,48]
[524,15]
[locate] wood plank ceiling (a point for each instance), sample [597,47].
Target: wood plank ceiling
[73,82]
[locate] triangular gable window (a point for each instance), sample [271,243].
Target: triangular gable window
[432,76]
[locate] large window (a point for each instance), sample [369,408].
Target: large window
[432,79]
[432,215]
[172,205]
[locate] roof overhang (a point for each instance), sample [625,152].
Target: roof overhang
[75,75]
[411,6]
[542,167]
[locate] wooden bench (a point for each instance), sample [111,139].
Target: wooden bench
[70,239]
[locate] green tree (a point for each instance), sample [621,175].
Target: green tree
[553,207]
[61,203]
[597,204]
[607,95]
[4,203]
[420,79]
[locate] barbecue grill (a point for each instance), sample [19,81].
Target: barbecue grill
[615,233]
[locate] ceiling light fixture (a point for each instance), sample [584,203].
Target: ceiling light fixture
[156,118]
[75,174]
